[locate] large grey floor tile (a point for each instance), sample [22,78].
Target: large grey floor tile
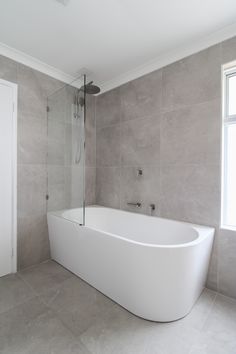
[200,311]
[45,276]
[70,316]
[77,304]
[13,291]
[32,328]
[121,332]
[219,332]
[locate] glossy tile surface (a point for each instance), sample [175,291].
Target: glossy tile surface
[46,309]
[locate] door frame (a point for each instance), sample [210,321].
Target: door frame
[14,174]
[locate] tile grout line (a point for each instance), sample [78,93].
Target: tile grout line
[28,284]
[49,308]
[33,266]
[226,296]
[204,322]
[160,112]
[34,295]
[18,305]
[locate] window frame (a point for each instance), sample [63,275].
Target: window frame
[227,120]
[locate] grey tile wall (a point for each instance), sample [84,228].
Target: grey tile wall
[61,134]
[140,145]
[32,235]
[169,124]
[192,80]
[108,186]
[33,89]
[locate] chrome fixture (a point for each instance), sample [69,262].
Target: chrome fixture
[153,207]
[90,89]
[137,205]
[79,104]
[139,172]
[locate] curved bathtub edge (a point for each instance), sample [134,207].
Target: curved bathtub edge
[202,231]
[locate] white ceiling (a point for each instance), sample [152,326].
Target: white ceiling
[113,39]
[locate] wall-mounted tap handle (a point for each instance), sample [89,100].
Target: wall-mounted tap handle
[139,172]
[137,205]
[152,206]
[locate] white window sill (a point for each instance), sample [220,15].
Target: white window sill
[228,227]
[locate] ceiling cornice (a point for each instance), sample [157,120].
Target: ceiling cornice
[34,63]
[157,63]
[170,57]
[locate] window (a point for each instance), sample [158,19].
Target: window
[228,214]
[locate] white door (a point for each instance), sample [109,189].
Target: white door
[7,177]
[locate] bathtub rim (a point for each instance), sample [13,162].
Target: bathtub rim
[202,231]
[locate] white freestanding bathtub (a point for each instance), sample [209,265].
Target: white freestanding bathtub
[155,268]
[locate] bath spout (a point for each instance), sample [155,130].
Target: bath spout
[137,205]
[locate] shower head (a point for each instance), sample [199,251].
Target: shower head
[90,89]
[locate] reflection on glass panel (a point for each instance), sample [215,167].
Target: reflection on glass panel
[230,176]
[65,155]
[232,95]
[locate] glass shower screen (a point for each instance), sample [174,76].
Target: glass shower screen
[65,149]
